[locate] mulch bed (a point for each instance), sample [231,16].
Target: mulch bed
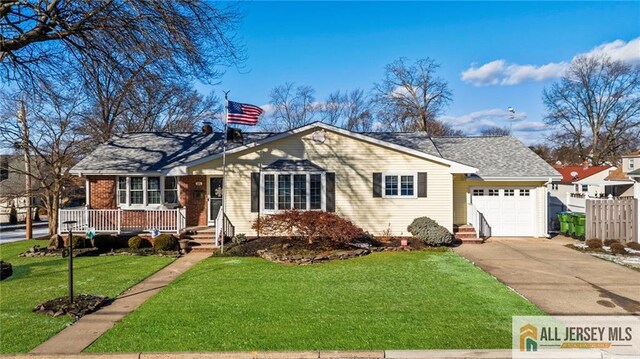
[82,305]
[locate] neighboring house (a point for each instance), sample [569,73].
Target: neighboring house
[580,180]
[12,187]
[380,181]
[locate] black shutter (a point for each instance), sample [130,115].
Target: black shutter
[377,184]
[255,192]
[422,184]
[331,192]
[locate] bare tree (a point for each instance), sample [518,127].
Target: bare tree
[292,106]
[595,108]
[411,96]
[52,116]
[185,37]
[495,131]
[350,110]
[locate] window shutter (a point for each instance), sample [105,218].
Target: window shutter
[331,192]
[255,192]
[377,184]
[422,184]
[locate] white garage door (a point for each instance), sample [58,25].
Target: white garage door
[510,212]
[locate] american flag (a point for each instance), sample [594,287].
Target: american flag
[242,113]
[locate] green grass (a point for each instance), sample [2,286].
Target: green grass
[382,301]
[38,279]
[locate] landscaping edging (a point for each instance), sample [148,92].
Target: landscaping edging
[301,259]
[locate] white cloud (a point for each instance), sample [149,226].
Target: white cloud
[499,72]
[472,123]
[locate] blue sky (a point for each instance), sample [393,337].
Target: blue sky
[494,55]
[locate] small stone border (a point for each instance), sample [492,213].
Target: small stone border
[300,259]
[82,305]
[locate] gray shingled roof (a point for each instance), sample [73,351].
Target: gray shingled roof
[157,152]
[294,165]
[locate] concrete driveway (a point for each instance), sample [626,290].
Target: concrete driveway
[559,280]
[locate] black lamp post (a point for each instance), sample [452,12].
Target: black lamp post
[69,225]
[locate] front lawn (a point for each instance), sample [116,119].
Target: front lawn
[412,300]
[35,280]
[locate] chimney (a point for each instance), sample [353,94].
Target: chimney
[206,128]
[585,165]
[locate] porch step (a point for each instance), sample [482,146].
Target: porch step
[465,228]
[203,236]
[466,234]
[202,241]
[204,249]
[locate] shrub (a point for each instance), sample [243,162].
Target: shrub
[617,248]
[104,242]
[239,238]
[609,242]
[634,245]
[13,215]
[165,242]
[430,232]
[312,225]
[80,241]
[593,243]
[137,242]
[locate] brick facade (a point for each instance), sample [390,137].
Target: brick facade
[193,196]
[102,191]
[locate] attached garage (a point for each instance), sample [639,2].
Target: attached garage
[509,211]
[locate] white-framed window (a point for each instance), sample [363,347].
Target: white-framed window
[141,191]
[524,193]
[400,185]
[631,163]
[554,186]
[509,192]
[585,188]
[281,191]
[478,192]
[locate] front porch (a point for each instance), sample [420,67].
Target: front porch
[123,221]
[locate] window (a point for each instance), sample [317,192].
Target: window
[509,193]
[524,193]
[283,191]
[171,190]
[269,192]
[137,190]
[122,190]
[585,188]
[554,186]
[494,192]
[399,185]
[631,163]
[478,192]
[143,191]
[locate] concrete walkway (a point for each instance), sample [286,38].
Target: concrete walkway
[559,280]
[75,338]
[374,354]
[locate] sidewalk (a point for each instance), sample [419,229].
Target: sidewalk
[374,354]
[75,338]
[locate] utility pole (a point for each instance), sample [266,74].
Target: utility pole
[22,118]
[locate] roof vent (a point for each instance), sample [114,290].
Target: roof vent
[207,129]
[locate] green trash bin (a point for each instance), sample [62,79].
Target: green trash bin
[571,230]
[580,225]
[563,218]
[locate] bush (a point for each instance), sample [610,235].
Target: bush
[165,242]
[13,215]
[634,245]
[312,225]
[430,232]
[593,243]
[137,242]
[609,242]
[105,242]
[80,241]
[239,238]
[617,248]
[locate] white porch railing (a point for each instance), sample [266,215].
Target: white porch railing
[224,228]
[118,220]
[477,220]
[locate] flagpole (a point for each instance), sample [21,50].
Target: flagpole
[224,165]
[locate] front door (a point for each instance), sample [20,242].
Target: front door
[215,197]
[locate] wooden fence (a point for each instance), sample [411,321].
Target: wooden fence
[612,219]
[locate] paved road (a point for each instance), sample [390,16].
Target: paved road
[557,279]
[19,234]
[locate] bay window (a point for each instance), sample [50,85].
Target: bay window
[284,191]
[139,191]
